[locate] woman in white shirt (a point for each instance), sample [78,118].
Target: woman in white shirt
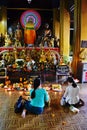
[71,95]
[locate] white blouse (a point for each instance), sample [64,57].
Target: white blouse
[72,95]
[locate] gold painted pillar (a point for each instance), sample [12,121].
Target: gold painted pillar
[56,25]
[64,30]
[83,51]
[84,20]
[77,35]
[3,19]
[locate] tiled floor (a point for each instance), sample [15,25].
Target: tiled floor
[54,118]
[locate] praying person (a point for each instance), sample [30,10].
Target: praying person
[39,97]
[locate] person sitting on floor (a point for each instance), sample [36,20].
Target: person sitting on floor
[71,95]
[38,98]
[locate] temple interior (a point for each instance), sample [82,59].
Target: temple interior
[45,39]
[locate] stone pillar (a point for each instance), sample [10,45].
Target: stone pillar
[64,30]
[56,25]
[77,35]
[3,19]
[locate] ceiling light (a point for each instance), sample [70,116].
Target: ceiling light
[29,1]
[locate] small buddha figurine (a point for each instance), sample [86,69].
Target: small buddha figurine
[18,33]
[18,37]
[42,57]
[8,41]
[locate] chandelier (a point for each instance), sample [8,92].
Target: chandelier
[29,1]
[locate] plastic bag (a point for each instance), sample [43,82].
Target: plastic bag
[62,101]
[74,109]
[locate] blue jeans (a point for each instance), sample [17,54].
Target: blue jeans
[32,109]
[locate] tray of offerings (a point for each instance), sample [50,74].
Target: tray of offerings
[56,87]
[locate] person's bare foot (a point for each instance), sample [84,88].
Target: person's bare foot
[23,114]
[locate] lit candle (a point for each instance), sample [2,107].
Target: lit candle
[10,93]
[20,92]
[55,93]
[20,79]
[5,90]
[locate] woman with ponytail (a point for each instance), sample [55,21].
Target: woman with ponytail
[71,95]
[38,98]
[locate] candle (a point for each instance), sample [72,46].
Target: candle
[10,93]
[20,79]
[5,90]
[20,92]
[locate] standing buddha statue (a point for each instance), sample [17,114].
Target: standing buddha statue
[29,33]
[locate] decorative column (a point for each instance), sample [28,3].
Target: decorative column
[84,20]
[77,35]
[3,19]
[56,25]
[83,50]
[64,30]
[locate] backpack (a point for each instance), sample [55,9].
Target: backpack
[19,105]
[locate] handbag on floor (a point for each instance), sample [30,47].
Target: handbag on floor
[19,105]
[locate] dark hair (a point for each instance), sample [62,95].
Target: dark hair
[36,84]
[71,80]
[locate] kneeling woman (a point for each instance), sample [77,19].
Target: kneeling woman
[38,98]
[71,95]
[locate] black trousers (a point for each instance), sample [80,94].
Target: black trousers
[79,104]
